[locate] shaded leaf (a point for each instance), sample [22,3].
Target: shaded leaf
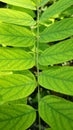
[57,112]
[16,117]
[21,3]
[59,79]
[16,86]
[57,53]
[18,101]
[15,59]
[28,11]
[57,31]
[13,35]
[16,17]
[55,8]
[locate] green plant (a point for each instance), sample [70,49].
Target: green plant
[27,43]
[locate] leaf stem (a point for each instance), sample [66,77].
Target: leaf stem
[37,58]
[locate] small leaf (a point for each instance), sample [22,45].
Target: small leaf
[15,59]
[59,79]
[43,2]
[57,31]
[56,8]
[21,3]
[17,36]
[16,86]
[16,17]
[57,53]
[57,112]
[16,117]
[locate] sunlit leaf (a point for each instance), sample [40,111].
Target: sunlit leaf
[57,112]
[21,3]
[57,53]
[57,31]
[16,17]
[59,79]
[16,86]
[15,59]
[13,35]
[16,117]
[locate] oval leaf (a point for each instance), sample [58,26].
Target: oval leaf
[16,86]
[58,79]
[21,3]
[16,17]
[13,35]
[55,8]
[57,112]
[57,53]
[57,31]
[16,117]
[15,59]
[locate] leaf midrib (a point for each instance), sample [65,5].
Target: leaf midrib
[23,35]
[12,118]
[16,86]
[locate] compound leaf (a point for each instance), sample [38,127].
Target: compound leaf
[57,112]
[16,117]
[56,8]
[16,86]
[59,79]
[15,59]
[16,17]
[57,53]
[21,3]
[17,36]
[57,31]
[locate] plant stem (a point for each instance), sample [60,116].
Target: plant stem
[37,56]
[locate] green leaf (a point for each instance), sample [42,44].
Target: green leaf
[5,73]
[16,17]
[15,59]
[18,101]
[57,112]
[57,53]
[57,31]
[21,3]
[16,86]
[56,8]
[28,11]
[25,72]
[17,36]
[16,117]
[68,11]
[43,2]
[59,79]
